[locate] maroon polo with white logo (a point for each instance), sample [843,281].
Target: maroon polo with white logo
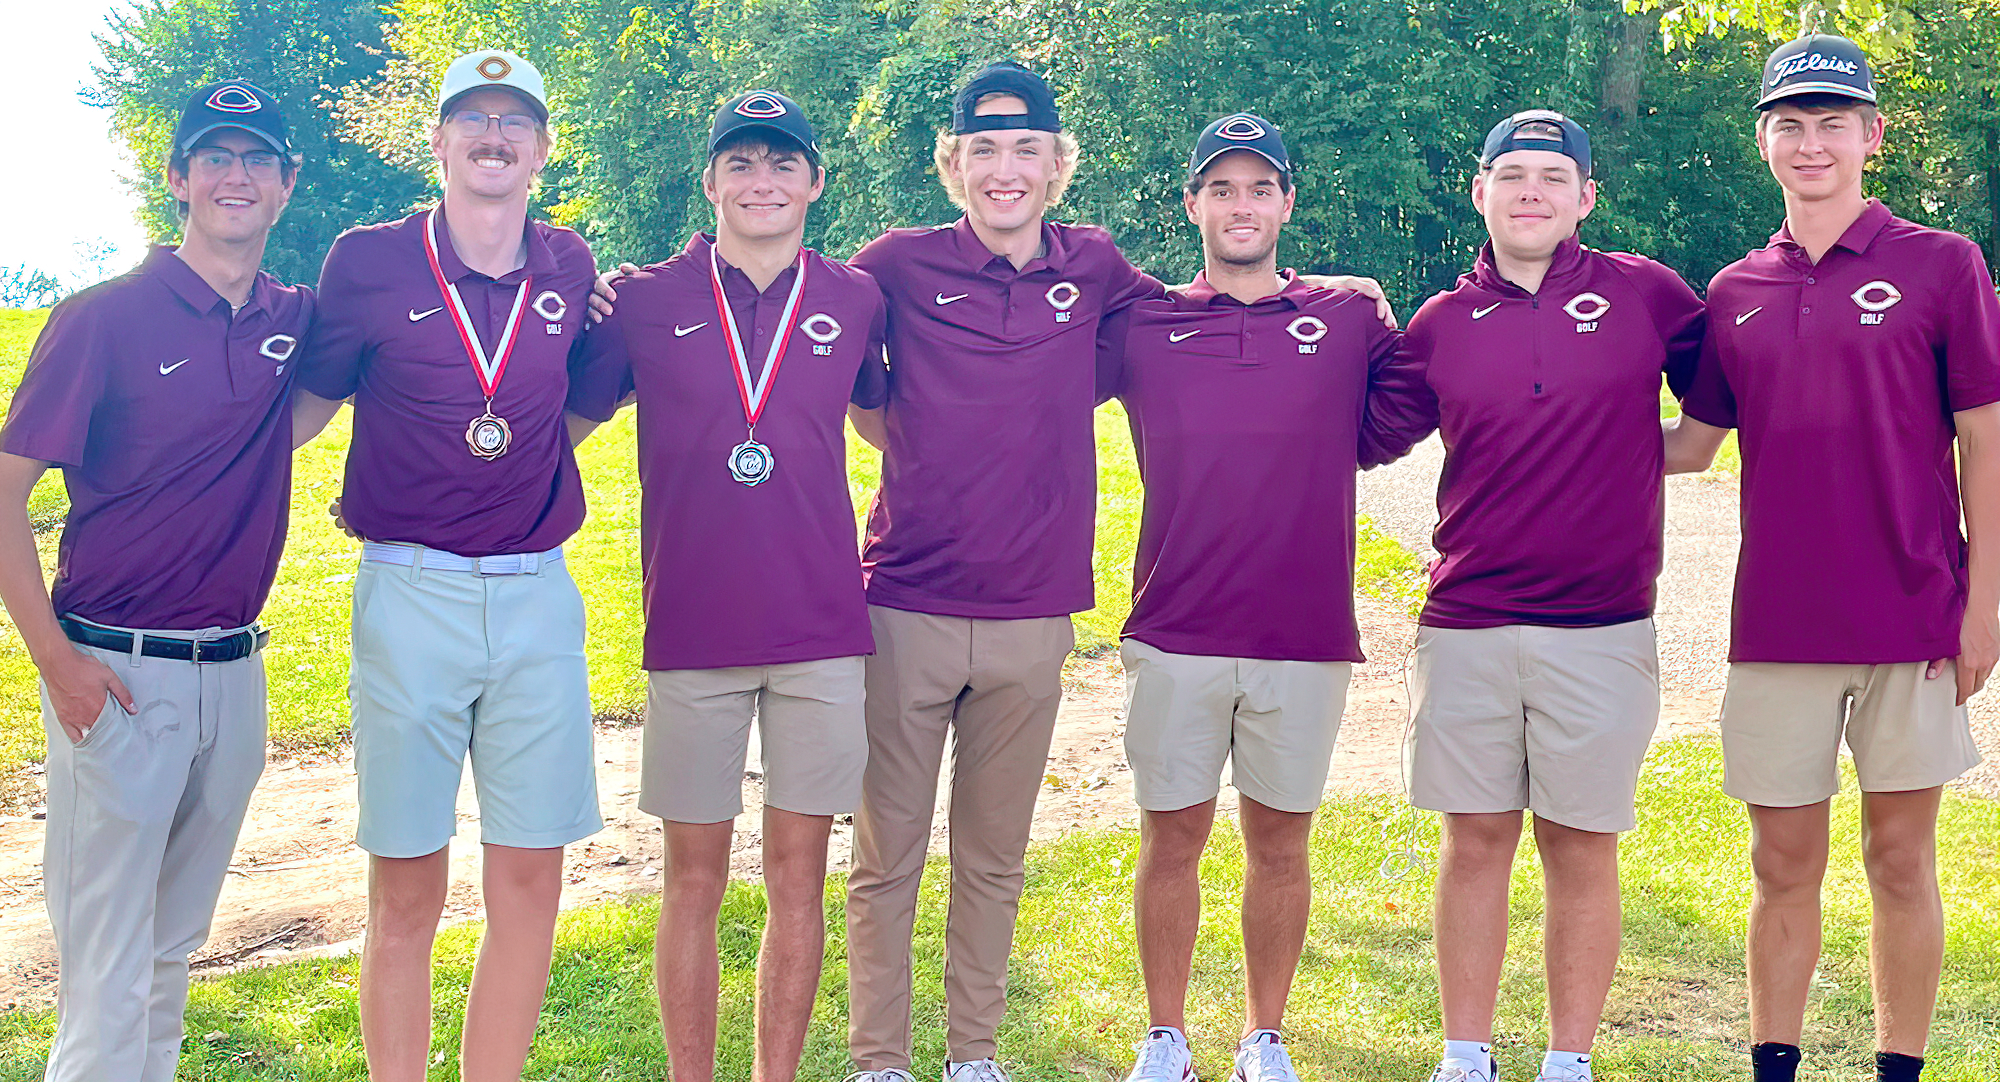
[989,486]
[1550,506]
[172,422]
[737,574]
[1248,421]
[1842,378]
[385,336]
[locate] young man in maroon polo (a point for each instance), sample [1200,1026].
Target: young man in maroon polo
[1534,684]
[165,396]
[1246,394]
[1848,353]
[452,331]
[744,352]
[978,550]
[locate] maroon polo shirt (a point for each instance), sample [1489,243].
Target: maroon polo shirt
[1550,506]
[385,336]
[739,574]
[1842,378]
[989,485]
[1247,421]
[172,422]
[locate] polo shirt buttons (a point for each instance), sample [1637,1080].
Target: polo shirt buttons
[1806,310]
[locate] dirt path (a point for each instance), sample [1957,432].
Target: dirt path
[296,888]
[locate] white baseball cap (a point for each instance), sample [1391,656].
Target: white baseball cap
[493,67]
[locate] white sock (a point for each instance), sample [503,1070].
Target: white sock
[1566,1061]
[1171,1033]
[1469,1055]
[1266,1036]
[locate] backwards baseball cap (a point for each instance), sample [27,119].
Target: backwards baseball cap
[493,67]
[232,103]
[1817,64]
[1240,131]
[1005,77]
[1538,129]
[769,111]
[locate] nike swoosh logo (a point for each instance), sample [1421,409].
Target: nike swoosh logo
[1175,336]
[416,315]
[1747,315]
[1481,313]
[168,368]
[942,299]
[683,332]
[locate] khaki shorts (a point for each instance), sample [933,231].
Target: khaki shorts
[1556,720]
[1273,721]
[1782,725]
[809,724]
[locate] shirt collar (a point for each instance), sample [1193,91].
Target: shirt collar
[541,261]
[1563,262]
[733,277]
[980,259]
[165,264]
[1200,294]
[1874,218]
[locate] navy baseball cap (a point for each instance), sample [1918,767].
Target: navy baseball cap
[1240,131]
[1817,64]
[232,103]
[766,110]
[1005,77]
[1538,129]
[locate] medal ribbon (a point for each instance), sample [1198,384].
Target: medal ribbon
[755,390]
[488,369]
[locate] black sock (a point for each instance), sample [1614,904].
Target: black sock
[1773,1062]
[1897,1067]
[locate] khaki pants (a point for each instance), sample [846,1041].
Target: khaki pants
[143,817]
[995,686]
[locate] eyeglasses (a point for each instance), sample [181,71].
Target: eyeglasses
[259,164]
[515,128]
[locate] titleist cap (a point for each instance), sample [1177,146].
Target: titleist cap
[766,110]
[232,103]
[493,67]
[1240,131]
[1005,77]
[1817,64]
[1538,129]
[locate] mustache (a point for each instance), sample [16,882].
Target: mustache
[493,150]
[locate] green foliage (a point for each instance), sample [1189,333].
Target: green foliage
[300,51]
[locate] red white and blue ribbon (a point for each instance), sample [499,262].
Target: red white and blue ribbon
[488,367]
[755,389]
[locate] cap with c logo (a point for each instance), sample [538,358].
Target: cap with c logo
[1240,131]
[767,110]
[232,103]
[1013,80]
[1817,64]
[493,67]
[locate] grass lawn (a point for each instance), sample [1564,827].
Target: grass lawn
[1364,1008]
[308,609]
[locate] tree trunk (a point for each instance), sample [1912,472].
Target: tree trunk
[1622,75]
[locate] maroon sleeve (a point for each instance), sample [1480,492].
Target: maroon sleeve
[1709,398]
[1127,285]
[1400,410]
[49,418]
[871,383]
[1972,336]
[1678,314]
[339,342]
[600,370]
[1113,331]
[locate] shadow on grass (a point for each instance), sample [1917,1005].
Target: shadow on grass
[1364,1005]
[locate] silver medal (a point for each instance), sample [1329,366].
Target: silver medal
[751,463]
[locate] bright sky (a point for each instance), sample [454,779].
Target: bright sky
[76,196]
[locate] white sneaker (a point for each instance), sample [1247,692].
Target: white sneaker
[1263,1061]
[1578,1073]
[889,1074]
[1162,1059]
[1453,1072]
[979,1070]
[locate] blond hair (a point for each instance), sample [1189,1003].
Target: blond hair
[946,151]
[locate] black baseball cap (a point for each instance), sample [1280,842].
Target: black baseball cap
[768,110]
[1538,129]
[1817,64]
[1005,77]
[1240,131]
[232,103]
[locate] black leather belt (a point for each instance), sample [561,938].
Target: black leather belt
[228,648]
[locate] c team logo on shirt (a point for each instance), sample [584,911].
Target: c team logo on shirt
[1308,330]
[822,329]
[279,348]
[1586,309]
[1874,299]
[550,306]
[1062,296]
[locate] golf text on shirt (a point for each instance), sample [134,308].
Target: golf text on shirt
[172,422]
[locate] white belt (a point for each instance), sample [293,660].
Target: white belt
[511,563]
